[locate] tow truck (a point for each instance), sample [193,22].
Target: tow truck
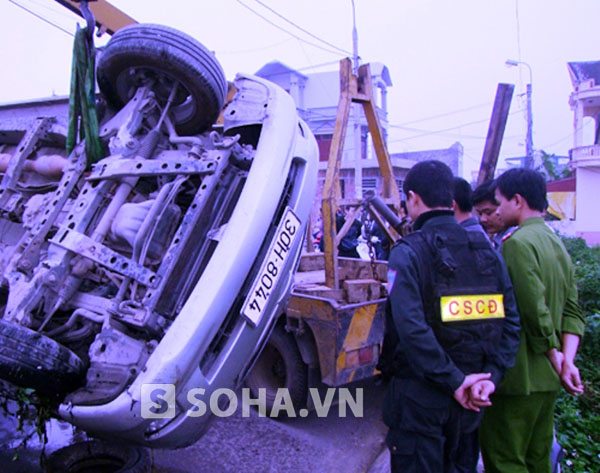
[332,330]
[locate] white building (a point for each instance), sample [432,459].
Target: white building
[585,155]
[317,96]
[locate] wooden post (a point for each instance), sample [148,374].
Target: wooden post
[360,90]
[330,188]
[365,84]
[495,134]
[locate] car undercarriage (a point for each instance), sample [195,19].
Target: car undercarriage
[167,261]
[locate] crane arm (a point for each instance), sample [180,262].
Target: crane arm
[108,17]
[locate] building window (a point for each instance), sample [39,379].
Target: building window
[369,184]
[400,184]
[364,134]
[324,143]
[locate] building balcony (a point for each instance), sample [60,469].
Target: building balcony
[585,156]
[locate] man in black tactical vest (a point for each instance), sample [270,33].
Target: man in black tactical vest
[452,330]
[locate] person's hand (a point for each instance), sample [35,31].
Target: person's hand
[556,360]
[462,392]
[480,392]
[570,378]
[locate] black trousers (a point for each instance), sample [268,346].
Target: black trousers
[429,431]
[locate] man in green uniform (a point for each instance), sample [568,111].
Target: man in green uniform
[516,432]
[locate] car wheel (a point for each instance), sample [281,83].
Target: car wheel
[95,455]
[280,365]
[32,360]
[140,53]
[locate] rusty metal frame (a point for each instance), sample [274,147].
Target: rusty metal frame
[353,89]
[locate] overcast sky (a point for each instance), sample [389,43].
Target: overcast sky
[445,58]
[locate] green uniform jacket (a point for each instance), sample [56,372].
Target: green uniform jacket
[544,283]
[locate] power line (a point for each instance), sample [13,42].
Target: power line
[286,31]
[328,63]
[468,155]
[569,136]
[325,89]
[433,132]
[441,115]
[42,18]
[454,135]
[312,114]
[61,12]
[300,28]
[458,135]
[262,48]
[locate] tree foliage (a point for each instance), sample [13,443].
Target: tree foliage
[578,418]
[550,168]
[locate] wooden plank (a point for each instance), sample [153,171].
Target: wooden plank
[390,189]
[312,262]
[350,217]
[495,133]
[349,202]
[307,278]
[361,290]
[310,247]
[331,185]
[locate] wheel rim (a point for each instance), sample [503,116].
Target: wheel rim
[184,106]
[269,372]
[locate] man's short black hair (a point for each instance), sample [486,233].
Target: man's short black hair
[433,181]
[530,184]
[462,194]
[484,193]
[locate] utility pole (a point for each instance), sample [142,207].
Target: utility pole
[354,41]
[529,137]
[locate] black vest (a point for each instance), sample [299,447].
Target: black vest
[462,268]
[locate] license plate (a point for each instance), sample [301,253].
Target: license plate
[270,271]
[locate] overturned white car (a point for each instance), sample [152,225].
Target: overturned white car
[166,262]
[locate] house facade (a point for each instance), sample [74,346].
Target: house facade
[317,96]
[585,154]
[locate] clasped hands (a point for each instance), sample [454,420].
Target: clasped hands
[475,391]
[567,371]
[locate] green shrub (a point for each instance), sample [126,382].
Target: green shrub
[587,272]
[578,418]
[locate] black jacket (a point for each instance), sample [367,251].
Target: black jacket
[419,353]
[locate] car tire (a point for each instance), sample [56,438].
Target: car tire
[280,365]
[166,55]
[96,455]
[31,360]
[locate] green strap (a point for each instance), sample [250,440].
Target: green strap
[83,118]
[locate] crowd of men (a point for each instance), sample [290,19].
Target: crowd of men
[482,326]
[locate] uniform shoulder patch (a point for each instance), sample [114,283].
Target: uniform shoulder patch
[391,277]
[507,236]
